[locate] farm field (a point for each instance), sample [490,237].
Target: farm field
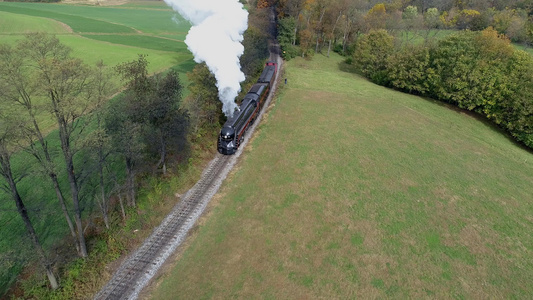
[351,190]
[112,34]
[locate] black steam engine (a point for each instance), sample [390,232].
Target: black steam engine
[232,133]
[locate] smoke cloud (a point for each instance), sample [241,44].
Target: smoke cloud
[215,38]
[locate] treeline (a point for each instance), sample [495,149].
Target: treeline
[312,26]
[391,43]
[478,71]
[102,149]
[39,81]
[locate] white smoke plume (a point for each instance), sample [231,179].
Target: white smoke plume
[215,38]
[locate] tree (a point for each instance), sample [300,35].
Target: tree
[98,141]
[151,108]
[203,105]
[166,127]
[352,23]
[466,18]
[287,37]
[411,22]
[410,12]
[376,18]
[333,17]
[371,54]
[306,40]
[126,139]
[18,87]
[9,134]
[431,18]
[65,82]
[255,51]
[410,69]
[47,71]
[319,10]
[125,119]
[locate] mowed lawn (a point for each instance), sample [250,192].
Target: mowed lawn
[351,190]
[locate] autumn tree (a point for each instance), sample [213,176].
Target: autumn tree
[256,41]
[126,139]
[376,18]
[124,121]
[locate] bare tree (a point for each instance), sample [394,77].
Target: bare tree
[9,135]
[319,25]
[98,140]
[19,87]
[335,15]
[66,84]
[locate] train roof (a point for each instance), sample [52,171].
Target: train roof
[257,88]
[268,74]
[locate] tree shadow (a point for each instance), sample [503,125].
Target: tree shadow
[487,123]
[348,68]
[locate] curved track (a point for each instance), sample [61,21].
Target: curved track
[138,269]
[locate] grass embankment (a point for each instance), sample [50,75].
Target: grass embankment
[353,190]
[135,32]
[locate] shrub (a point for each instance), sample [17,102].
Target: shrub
[371,53]
[409,69]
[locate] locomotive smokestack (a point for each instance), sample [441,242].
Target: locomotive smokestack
[215,38]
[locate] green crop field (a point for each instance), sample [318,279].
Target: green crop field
[351,190]
[13,24]
[112,34]
[104,33]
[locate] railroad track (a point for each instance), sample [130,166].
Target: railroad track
[139,268]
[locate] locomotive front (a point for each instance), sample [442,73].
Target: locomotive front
[226,141]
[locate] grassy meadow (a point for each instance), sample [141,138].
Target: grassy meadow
[112,34]
[351,190]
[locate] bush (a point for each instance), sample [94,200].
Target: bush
[477,71]
[371,53]
[409,69]
[288,51]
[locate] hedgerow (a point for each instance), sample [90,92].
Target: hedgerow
[477,71]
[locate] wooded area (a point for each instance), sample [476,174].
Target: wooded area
[311,26]
[394,43]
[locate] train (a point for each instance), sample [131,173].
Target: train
[232,133]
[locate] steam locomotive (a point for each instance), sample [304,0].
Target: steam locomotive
[232,133]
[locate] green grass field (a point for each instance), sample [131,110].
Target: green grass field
[351,190]
[112,34]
